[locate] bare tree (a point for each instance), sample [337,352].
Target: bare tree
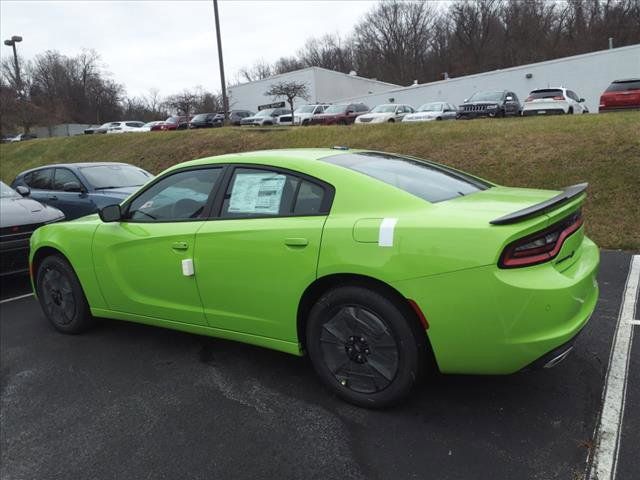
[289,90]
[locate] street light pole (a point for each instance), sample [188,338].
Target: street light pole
[225,101]
[12,43]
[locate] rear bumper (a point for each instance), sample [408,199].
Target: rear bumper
[618,108]
[493,321]
[547,111]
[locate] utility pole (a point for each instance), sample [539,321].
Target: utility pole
[225,101]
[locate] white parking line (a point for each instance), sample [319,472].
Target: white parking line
[605,455]
[634,322]
[16,298]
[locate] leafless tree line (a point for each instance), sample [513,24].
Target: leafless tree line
[403,41]
[54,88]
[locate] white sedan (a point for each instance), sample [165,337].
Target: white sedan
[550,101]
[125,127]
[433,111]
[390,112]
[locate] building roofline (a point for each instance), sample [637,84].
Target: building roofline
[267,79]
[492,72]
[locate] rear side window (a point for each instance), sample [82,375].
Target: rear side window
[40,179]
[624,85]
[426,180]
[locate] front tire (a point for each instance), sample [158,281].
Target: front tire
[61,296]
[364,346]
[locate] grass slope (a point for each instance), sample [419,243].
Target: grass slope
[551,152]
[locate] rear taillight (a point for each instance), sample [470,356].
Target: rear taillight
[528,99]
[558,97]
[541,246]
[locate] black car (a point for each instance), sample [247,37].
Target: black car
[501,103]
[206,120]
[19,217]
[80,189]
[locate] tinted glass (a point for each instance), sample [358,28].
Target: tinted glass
[547,93]
[181,196]
[135,124]
[625,85]
[40,179]
[114,176]
[486,97]
[309,199]
[62,176]
[362,108]
[429,181]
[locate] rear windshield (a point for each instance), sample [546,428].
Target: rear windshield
[624,85]
[548,93]
[429,181]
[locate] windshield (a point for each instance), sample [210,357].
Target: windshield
[384,109]
[336,109]
[172,120]
[486,97]
[6,191]
[431,107]
[114,176]
[306,109]
[426,180]
[265,113]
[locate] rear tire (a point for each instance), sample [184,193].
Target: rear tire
[391,120]
[364,346]
[61,296]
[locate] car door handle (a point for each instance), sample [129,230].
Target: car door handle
[180,245]
[52,197]
[296,242]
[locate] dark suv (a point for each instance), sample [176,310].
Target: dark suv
[344,114]
[490,104]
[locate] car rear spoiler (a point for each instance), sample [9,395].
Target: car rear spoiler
[566,195]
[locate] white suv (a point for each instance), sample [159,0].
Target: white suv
[302,115]
[549,101]
[124,127]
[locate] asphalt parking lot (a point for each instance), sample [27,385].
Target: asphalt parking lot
[131,401]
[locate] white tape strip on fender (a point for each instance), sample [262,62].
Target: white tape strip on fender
[385,237]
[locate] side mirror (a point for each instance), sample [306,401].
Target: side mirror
[24,191]
[72,187]
[110,213]
[581,100]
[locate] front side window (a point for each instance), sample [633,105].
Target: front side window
[256,192]
[180,196]
[63,177]
[426,180]
[40,179]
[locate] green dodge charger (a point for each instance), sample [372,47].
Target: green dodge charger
[380,267]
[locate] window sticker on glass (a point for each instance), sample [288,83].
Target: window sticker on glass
[257,193]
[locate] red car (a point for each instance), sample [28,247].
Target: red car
[621,95]
[172,123]
[339,114]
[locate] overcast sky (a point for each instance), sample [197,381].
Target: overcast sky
[170,45]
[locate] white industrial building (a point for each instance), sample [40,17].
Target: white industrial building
[588,75]
[325,86]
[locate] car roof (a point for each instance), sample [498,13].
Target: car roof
[286,158]
[73,165]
